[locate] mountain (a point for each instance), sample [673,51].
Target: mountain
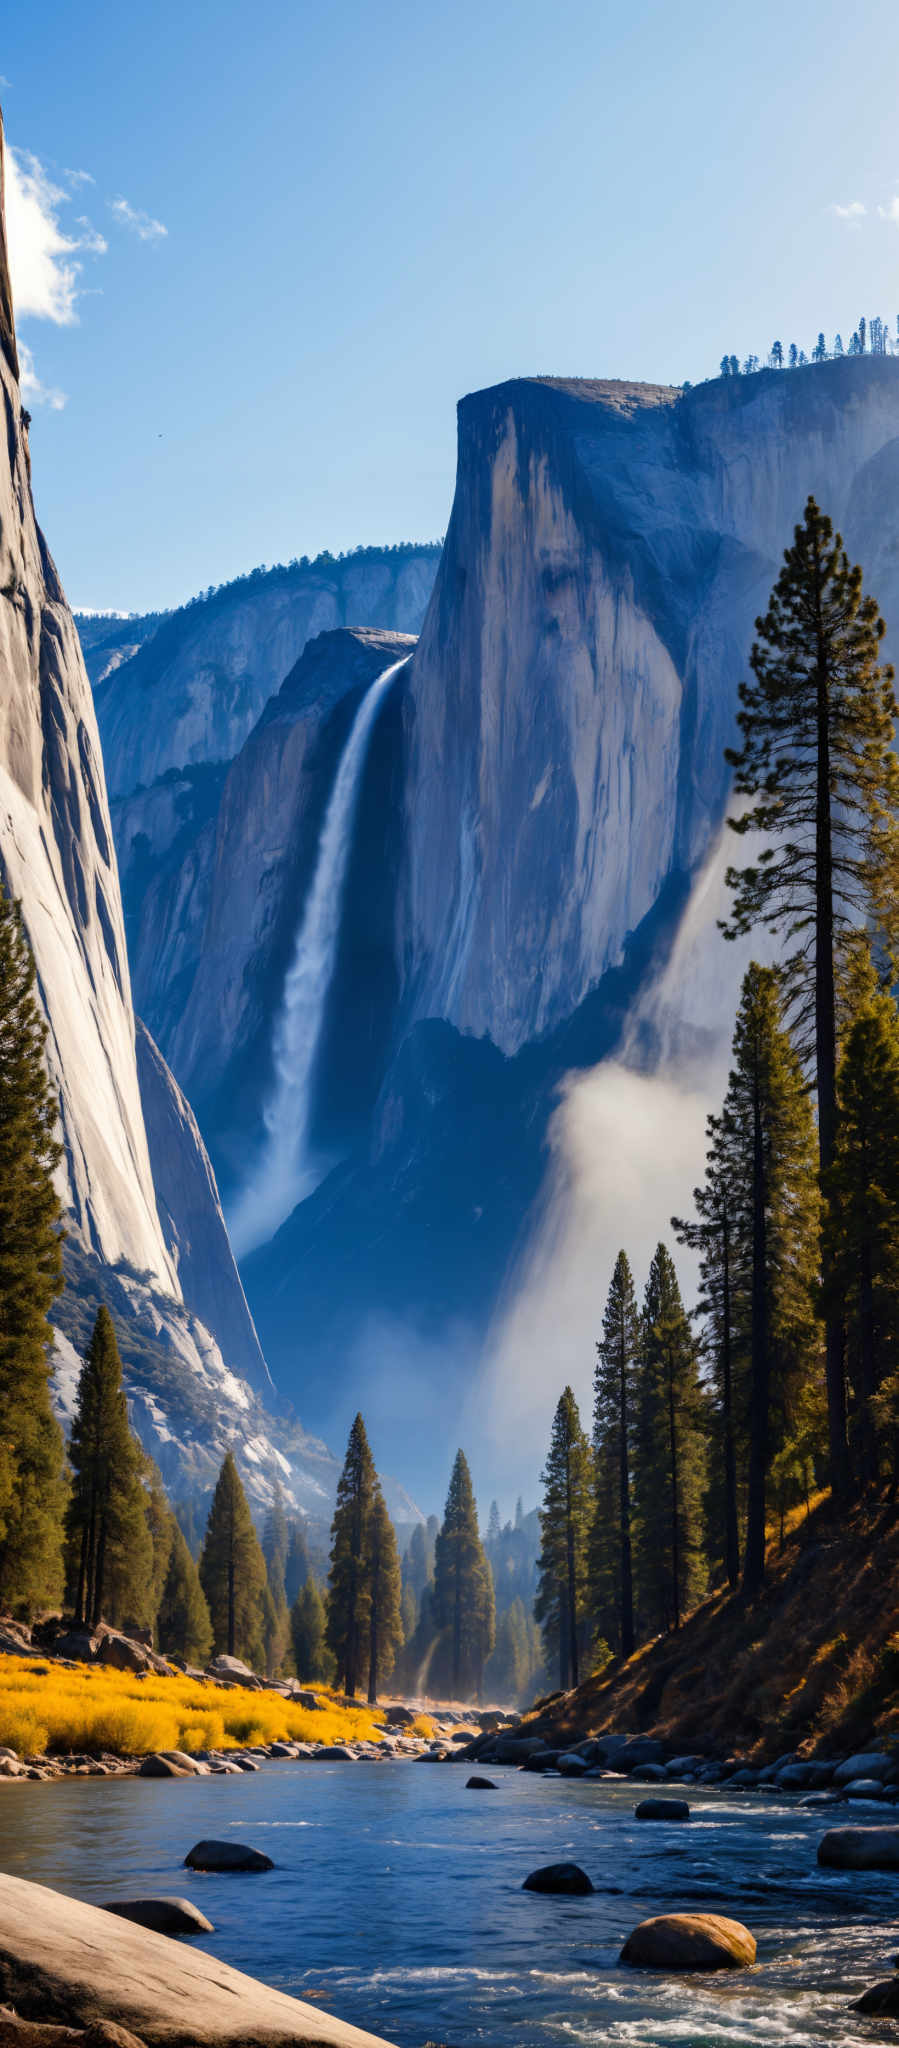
[109,638]
[144,1225]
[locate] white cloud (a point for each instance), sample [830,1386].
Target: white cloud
[42,257]
[853,212]
[74,178]
[891,211]
[141,224]
[32,390]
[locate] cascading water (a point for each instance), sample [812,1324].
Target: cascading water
[285,1172]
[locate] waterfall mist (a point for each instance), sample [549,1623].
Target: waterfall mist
[286,1171]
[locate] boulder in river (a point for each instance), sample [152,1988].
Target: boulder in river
[163,1916]
[880,2000]
[159,1766]
[559,1877]
[59,1955]
[662,1809]
[689,1941]
[480,1785]
[860,1849]
[570,1765]
[872,1763]
[226,1856]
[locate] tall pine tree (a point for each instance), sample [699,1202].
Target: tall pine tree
[713,1236]
[817,764]
[109,1548]
[385,1624]
[232,1571]
[669,1460]
[617,1361]
[183,1627]
[307,1628]
[31,1455]
[349,1579]
[565,1514]
[464,1602]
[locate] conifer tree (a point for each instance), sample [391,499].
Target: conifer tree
[274,1546]
[296,1568]
[817,763]
[385,1625]
[617,1359]
[307,1628]
[713,1235]
[669,1454]
[232,1570]
[183,1627]
[862,1217]
[464,1602]
[32,1492]
[108,1541]
[767,1158]
[564,1531]
[349,1581]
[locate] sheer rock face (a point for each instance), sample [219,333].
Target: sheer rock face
[195,690]
[158,1252]
[575,681]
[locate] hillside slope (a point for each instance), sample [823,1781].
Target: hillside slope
[812,1665]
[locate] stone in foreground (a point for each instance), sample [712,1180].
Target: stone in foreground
[881,2000]
[476,1784]
[226,1856]
[860,1849]
[559,1877]
[62,1958]
[689,1941]
[163,1916]
[662,1809]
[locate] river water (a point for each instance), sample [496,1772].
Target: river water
[396,1900]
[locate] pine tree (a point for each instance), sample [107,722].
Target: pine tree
[816,760]
[32,1492]
[416,1563]
[183,1627]
[508,1667]
[767,1158]
[669,1455]
[714,1237]
[108,1541]
[385,1625]
[232,1570]
[617,1358]
[274,1547]
[564,1529]
[862,1217]
[307,1627]
[464,1602]
[349,1586]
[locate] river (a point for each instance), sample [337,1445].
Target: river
[396,1900]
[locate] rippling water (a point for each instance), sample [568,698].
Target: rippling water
[397,1903]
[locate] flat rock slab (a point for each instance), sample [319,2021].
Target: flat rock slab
[164,1916]
[559,1877]
[662,1809]
[860,1849]
[226,1856]
[64,1961]
[689,1941]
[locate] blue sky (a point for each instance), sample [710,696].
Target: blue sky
[369,211]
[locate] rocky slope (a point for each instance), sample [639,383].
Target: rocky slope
[144,1225]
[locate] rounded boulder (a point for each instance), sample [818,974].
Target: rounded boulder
[162,1916]
[689,1941]
[480,1785]
[567,1878]
[226,1856]
[662,1809]
[860,1849]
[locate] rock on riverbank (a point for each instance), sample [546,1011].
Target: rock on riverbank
[70,1963]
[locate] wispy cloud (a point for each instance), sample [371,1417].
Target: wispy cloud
[141,224]
[890,211]
[853,212]
[43,258]
[75,178]
[32,390]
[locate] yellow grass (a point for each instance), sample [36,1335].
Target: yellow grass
[422,1726]
[46,1708]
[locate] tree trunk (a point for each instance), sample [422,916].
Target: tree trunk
[826,1064]
[731,1524]
[624,1490]
[759,1364]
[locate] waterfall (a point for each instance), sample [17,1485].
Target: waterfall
[285,1172]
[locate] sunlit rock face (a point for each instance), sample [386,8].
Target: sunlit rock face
[144,1226]
[575,681]
[194,690]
